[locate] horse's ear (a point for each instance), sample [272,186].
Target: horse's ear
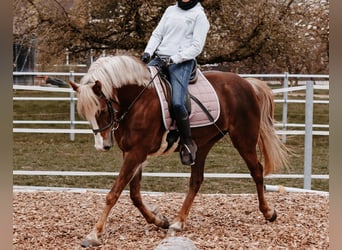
[74,85]
[97,88]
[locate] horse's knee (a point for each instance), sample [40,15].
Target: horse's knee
[197,177]
[110,199]
[196,184]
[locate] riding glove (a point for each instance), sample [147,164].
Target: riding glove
[146,57]
[165,63]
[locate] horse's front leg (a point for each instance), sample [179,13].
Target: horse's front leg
[150,216]
[132,161]
[196,179]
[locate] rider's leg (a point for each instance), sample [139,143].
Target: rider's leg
[179,78]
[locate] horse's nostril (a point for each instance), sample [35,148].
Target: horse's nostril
[106,147]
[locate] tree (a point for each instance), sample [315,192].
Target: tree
[246,36]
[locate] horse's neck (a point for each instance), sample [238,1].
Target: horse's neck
[129,94]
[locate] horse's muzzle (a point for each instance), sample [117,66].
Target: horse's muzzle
[104,148]
[102,145]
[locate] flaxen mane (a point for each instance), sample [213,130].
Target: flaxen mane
[113,72]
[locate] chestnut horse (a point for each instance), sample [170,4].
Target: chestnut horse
[116,97]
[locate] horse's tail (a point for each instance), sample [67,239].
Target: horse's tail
[272,149]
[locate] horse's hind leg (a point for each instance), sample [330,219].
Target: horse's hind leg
[247,149]
[256,170]
[269,214]
[150,216]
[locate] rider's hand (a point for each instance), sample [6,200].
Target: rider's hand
[145,57]
[165,63]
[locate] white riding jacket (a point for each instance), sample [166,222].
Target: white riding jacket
[180,34]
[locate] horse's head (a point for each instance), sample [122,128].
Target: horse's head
[97,93]
[98,109]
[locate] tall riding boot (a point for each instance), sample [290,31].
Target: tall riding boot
[188,147]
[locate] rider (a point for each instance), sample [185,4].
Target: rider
[177,40]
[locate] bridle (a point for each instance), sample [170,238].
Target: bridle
[113,119]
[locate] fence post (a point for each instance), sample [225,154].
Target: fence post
[72,108]
[308,135]
[285,97]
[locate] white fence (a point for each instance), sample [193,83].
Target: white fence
[308,130]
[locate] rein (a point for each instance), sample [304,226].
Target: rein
[113,119]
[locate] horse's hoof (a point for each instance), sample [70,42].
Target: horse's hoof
[174,228]
[177,227]
[165,222]
[273,217]
[90,243]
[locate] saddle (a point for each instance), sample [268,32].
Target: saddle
[167,88]
[201,101]
[167,91]
[193,76]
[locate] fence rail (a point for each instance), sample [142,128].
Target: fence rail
[72,100]
[308,126]
[164,174]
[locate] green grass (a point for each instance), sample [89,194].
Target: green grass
[57,152]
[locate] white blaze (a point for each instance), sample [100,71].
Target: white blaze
[98,138]
[98,142]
